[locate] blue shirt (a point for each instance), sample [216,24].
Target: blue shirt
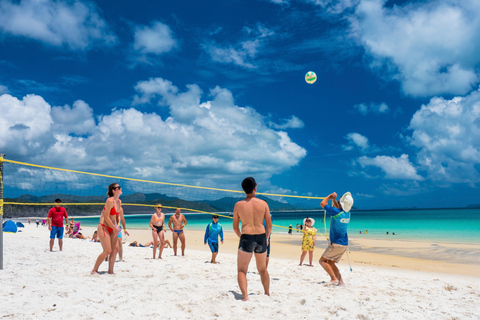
[212,232]
[338,225]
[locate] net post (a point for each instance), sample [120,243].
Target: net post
[1,210]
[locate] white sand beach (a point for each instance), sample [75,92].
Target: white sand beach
[36,283]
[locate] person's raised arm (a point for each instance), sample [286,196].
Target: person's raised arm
[330,196]
[236,221]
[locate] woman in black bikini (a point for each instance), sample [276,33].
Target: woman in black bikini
[157,225]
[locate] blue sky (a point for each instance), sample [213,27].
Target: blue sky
[209,92]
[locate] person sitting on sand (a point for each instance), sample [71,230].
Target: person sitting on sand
[179,222]
[167,244]
[251,212]
[339,219]
[95,236]
[308,241]
[157,223]
[214,229]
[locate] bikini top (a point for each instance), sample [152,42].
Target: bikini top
[113,212]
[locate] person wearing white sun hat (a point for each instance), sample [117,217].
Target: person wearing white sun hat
[308,241]
[339,218]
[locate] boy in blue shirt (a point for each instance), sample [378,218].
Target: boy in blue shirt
[214,229]
[339,219]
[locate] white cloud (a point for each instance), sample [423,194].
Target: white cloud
[394,168]
[77,25]
[356,140]
[335,6]
[447,133]
[157,39]
[242,54]
[3,89]
[364,108]
[194,144]
[430,47]
[292,123]
[77,119]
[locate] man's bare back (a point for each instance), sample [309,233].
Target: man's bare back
[252,212]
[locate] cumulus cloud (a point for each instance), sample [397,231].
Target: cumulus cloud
[292,123]
[393,168]
[209,141]
[242,53]
[447,133]
[356,140]
[156,39]
[73,24]
[429,47]
[364,108]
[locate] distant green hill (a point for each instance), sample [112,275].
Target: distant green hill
[225,204]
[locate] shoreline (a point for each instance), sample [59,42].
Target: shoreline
[445,257]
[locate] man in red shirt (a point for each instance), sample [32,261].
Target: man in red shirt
[55,223]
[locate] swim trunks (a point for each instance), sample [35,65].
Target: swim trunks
[158,228]
[213,246]
[253,243]
[178,231]
[334,252]
[56,231]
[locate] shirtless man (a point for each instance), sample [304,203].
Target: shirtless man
[179,222]
[252,212]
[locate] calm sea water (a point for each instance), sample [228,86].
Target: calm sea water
[452,225]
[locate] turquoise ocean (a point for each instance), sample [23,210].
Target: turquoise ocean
[447,225]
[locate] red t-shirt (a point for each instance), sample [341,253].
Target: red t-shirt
[57,215]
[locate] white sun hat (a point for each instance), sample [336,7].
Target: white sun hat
[346,201]
[313,220]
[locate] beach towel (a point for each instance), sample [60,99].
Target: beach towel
[76,228]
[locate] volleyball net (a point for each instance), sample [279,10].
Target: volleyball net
[29,188]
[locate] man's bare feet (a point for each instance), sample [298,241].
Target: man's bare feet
[93,272]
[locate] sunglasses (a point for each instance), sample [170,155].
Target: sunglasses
[117,188]
[308,220]
[158,207]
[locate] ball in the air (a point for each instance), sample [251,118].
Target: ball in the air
[310,77]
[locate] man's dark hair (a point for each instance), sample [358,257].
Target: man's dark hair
[248,184]
[58,200]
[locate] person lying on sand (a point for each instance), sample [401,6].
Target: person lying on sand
[136,244]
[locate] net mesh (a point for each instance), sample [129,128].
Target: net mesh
[28,188]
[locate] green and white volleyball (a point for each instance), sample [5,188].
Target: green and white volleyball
[310,77]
